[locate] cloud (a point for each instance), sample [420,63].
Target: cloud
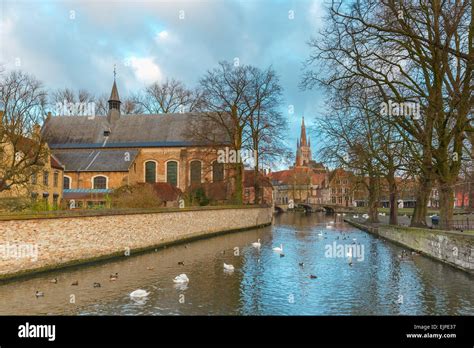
[146,70]
[149,41]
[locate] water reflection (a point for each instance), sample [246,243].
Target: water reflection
[263,282]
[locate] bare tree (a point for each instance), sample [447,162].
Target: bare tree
[170,96]
[22,150]
[410,51]
[265,130]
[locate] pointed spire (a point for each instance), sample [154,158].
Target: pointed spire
[114,101]
[303,133]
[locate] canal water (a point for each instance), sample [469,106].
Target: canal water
[378,282]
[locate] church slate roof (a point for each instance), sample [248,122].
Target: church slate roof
[159,130]
[97,160]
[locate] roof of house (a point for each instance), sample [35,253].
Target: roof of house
[249,178]
[55,163]
[102,160]
[157,130]
[288,176]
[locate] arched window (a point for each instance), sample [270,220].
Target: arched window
[195,172]
[217,171]
[100,182]
[172,173]
[66,183]
[150,172]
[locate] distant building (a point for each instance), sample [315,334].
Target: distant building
[45,179]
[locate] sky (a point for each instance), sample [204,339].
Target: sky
[75,44]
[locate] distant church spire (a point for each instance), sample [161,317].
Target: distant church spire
[303,133]
[303,149]
[114,102]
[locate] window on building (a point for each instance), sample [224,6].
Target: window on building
[217,171]
[150,172]
[34,178]
[339,200]
[100,183]
[333,199]
[172,173]
[195,172]
[55,179]
[45,178]
[66,183]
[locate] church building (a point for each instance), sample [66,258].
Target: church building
[102,153]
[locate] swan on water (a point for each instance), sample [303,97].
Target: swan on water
[139,293]
[228,267]
[257,244]
[182,278]
[278,249]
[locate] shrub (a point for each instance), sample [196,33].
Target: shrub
[135,196]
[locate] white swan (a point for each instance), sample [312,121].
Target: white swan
[257,244]
[365,216]
[139,293]
[182,278]
[356,216]
[228,267]
[278,249]
[328,227]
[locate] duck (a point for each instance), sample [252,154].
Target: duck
[257,244]
[75,283]
[365,216]
[282,255]
[39,294]
[113,277]
[54,280]
[96,285]
[228,267]
[278,249]
[181,279]
[139,293]
[356,216]
[312,276]
[301,264]
[181,263]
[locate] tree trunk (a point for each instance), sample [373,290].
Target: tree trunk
[393,191]
[446,205]
[421,208]
[238,193]
[373,200]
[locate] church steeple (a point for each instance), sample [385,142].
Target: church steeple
[114,102]
[303,148]
[303,133]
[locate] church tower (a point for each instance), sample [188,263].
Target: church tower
[114,104]
[303,150]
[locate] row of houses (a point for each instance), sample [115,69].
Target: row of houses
[311,182]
